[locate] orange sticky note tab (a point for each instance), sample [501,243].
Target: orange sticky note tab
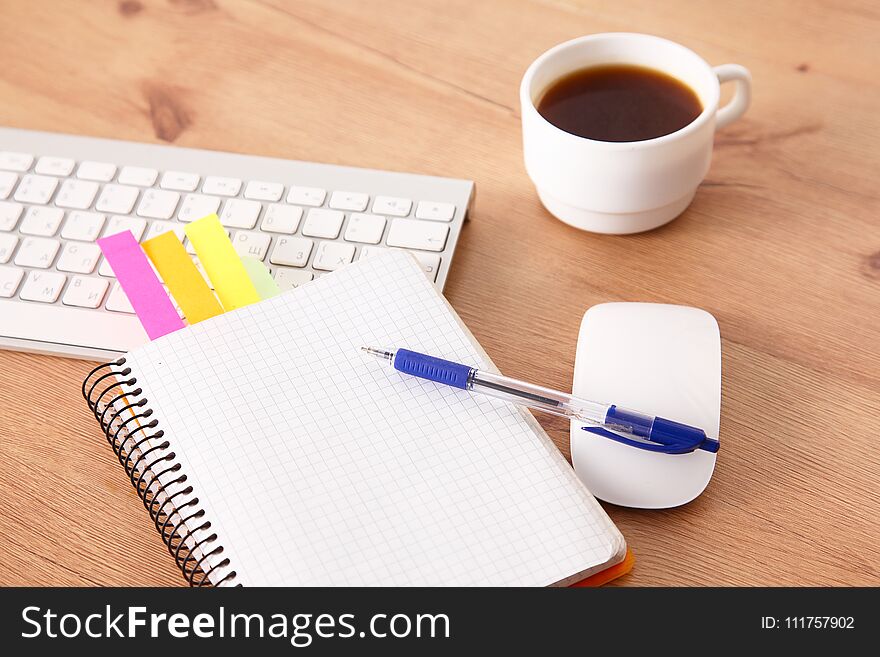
[221,263]
[184,281]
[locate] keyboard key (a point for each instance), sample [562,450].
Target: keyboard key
[83,226]
[240,214]
[287,279]
[264,191]
[221,186]
[138,176]
[117,199]
[253,244]
[323,223]
[180,181]
[311,196]
[349,201]
[414,234]
[36,189]
[430,262]
[365,228]
[117,302]
[85,292]
[9,214]
[105,269]
[396,207]
[196,206]
[291,251]
[368,251]
[333,255]
[42,286]
[37,252]
[158,227]
[10,277]
[15,161]
[158,204]
[41,221]
[79,258]
[7,183]
[280,218]
[99,171]
[122,223]
[54,166]
[435,211]
[76,194]
[8,242]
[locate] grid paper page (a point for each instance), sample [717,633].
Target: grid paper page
[319,465]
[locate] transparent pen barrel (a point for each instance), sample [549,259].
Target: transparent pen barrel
[537,397]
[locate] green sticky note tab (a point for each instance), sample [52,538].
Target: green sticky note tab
[260,277]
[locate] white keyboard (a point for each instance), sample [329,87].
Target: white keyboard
[60,193]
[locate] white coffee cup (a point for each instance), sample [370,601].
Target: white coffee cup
[624,187]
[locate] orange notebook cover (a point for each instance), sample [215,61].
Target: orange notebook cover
[609,574]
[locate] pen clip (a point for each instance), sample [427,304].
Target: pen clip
[707,444]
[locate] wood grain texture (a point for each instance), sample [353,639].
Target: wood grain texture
[781,244]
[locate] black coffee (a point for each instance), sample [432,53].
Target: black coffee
[619,102]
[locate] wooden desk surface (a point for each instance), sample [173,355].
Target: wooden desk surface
[781,244]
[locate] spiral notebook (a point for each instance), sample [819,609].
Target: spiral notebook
[269,450]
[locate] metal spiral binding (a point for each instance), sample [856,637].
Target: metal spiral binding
[110,393]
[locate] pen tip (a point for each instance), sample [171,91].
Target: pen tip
[378,353]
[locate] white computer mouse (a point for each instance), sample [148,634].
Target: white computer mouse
[658,359]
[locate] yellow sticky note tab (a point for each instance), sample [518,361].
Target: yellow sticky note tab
[184,281]
[260,277]
[222,264]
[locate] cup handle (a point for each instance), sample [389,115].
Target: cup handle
[741,95]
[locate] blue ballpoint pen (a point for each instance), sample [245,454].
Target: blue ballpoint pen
[632,428]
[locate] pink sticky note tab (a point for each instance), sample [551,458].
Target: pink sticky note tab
[140,284]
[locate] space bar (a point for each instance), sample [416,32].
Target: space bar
[45,325]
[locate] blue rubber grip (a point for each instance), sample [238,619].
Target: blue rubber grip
[433,369]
